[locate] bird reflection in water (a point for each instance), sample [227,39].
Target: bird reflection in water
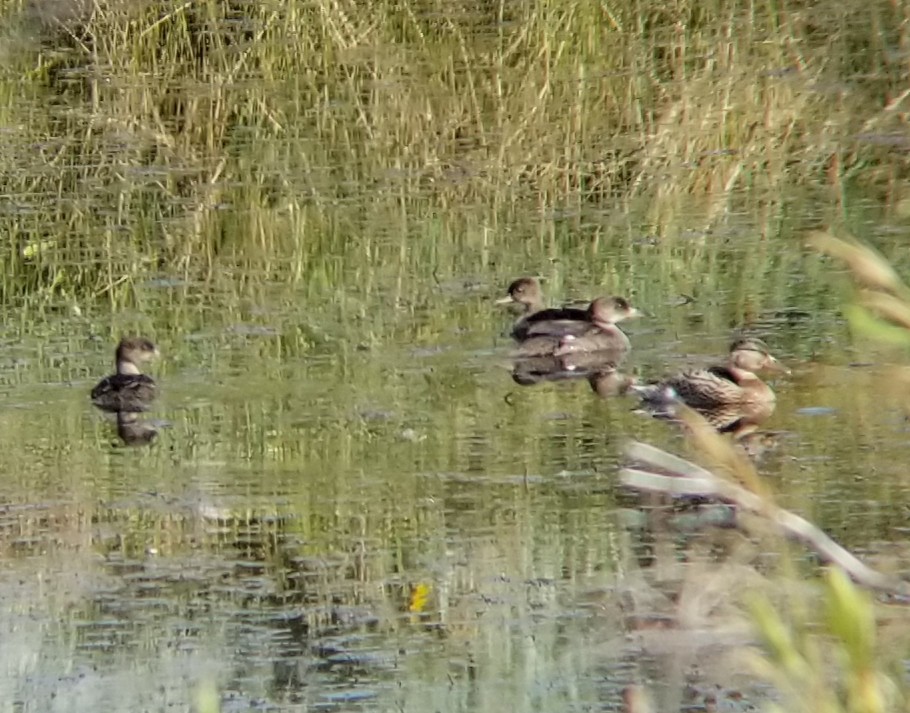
[134,430]
[601,369]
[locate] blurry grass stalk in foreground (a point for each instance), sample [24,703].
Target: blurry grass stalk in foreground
[882,308]
[659,471]
[843,674]
[881,311]
[796,661]
[868,267]
[799,663]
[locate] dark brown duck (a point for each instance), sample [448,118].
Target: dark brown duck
[128,390]
[602,333]
[537,319]
[597,332]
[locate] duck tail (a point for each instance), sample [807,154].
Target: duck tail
[657,400]
[655,393]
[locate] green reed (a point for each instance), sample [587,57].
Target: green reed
[150,118]
[833,661]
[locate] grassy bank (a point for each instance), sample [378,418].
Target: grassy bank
[166,135]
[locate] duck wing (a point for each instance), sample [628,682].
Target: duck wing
[124,392]
[726,418]
[536,346]
[706,389]
[594,339]
[554,322]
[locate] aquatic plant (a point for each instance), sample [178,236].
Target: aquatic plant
[180,137]
[832,662]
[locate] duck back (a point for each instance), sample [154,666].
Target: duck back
[125,392]
[553,322]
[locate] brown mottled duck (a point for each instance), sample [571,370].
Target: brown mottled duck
[730,396]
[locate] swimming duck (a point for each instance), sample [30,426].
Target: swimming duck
[730,396]
[597,332]
[129,389]
[535,318]
[602,333]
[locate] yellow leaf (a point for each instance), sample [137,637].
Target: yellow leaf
[420,593]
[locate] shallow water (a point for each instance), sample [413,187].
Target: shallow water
[314,466]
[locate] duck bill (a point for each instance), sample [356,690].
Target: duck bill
[633,313]
[507,300]
[774,365]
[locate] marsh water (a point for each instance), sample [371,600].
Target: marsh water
[351,505]
[335,448]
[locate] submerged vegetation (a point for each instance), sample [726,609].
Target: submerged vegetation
[143,122]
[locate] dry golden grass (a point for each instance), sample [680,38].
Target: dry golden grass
[153,116]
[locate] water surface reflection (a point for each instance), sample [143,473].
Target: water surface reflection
[272,540]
